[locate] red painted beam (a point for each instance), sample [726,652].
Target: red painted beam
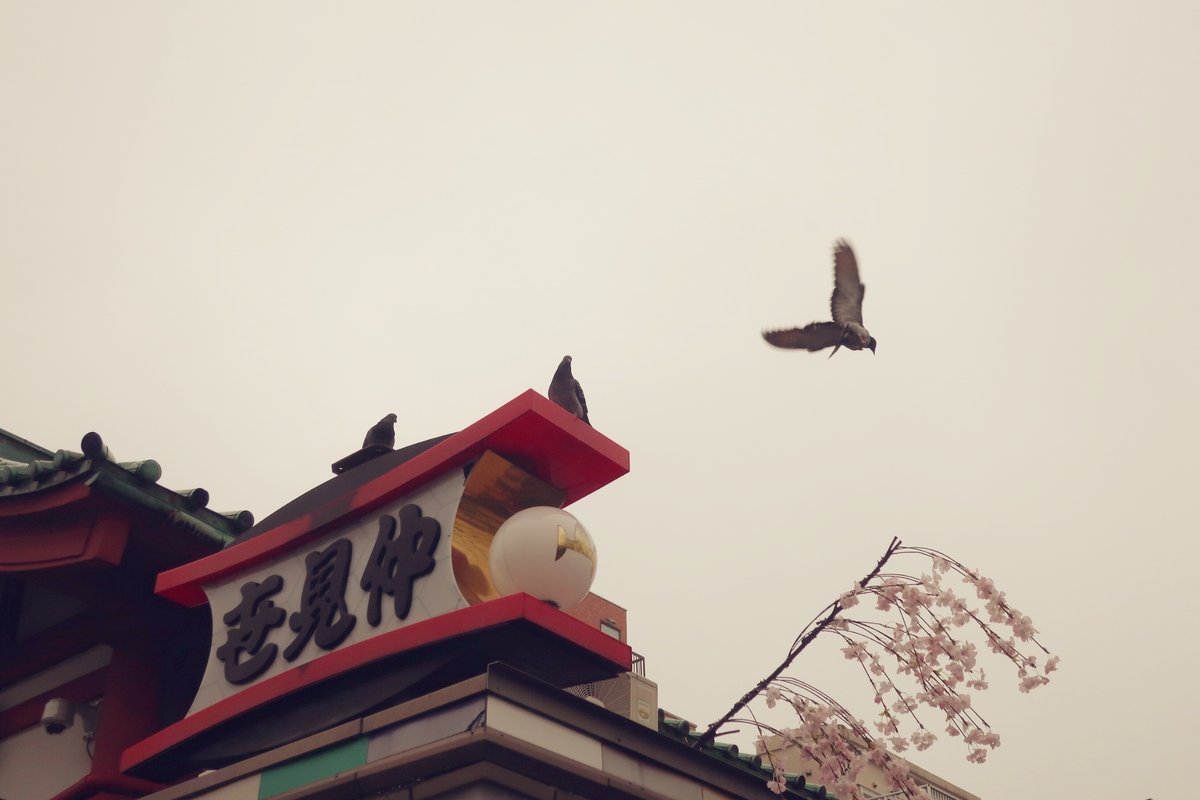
[63,540]
[447,626]
[45,499]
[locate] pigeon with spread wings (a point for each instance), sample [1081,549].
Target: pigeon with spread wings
[847,329]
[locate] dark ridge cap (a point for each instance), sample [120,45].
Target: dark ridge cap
[41,468]
[117,479]
[94,446]
[340,486]
[244,520]
[135,481]
[194,499]
[27,476]
[148,470]
[184,511]
[64,457]
[727,750]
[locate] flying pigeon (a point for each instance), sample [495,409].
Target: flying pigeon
[382,433]
[565,391]
[847,329]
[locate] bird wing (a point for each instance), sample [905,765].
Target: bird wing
[582,402]
[848,290]
[374,435]
[813,336]
[370,437]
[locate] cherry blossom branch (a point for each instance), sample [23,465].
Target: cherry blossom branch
[925,638]
[797,648]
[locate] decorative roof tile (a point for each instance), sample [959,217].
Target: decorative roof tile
[26,468]
[683,731]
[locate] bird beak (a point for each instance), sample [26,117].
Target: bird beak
[872,345]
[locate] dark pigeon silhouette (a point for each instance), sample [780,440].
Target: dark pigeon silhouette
[847,329]
[382,433]
[565,391]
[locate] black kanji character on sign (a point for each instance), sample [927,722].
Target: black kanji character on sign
[398,560]
[250,622]
[323,609]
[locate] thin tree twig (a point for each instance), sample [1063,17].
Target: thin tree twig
[707,737]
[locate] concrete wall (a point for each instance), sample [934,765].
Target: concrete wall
[35,765]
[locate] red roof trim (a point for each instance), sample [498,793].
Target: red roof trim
[456,623]
[547,440]
[95,539]
[51,497]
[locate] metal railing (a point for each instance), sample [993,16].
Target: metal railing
[937,794]
[934,793]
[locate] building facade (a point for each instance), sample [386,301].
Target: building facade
[872,781]
[351,644]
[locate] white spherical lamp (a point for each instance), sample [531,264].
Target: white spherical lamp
[544,552]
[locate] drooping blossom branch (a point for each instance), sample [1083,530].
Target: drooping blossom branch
[917,654]
[806,637]
[830,737]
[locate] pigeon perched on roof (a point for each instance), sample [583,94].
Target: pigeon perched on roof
[847,329]
[565,391]
[382,433]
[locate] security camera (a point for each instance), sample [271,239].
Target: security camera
[58,715]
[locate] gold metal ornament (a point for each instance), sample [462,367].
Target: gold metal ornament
[495,490]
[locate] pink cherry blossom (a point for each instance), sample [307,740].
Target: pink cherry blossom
[918,650]
[922,739]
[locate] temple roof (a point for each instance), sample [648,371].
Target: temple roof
[29,471]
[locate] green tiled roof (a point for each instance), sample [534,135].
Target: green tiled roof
[26,468]
[684,731]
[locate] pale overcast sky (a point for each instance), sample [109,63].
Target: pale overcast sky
[235,235]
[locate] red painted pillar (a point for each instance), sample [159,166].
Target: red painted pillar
[130,711]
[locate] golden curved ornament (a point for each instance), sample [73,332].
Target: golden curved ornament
[495,490]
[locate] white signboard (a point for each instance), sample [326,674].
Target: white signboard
[389,568]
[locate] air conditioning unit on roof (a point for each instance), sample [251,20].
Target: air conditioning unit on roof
[632,696]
